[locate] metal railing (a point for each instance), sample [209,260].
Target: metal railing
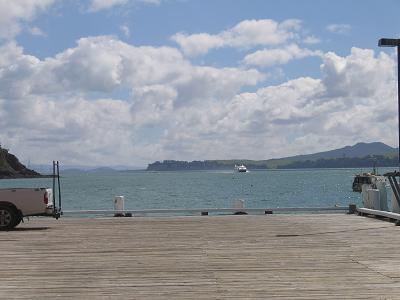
[206,211]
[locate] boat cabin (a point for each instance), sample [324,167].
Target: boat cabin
[361,179]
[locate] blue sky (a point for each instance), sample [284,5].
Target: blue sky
[165,79]
[153,24]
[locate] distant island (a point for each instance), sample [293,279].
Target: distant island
[363,155]
[10,167]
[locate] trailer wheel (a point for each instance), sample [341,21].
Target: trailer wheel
[8,217]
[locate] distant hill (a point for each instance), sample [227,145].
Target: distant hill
[10,167]
[102,169]
[357,150]
[88,170]
[358,155]
[47,169]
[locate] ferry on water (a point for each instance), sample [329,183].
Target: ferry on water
[241,168]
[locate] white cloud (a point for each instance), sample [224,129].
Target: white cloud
[152,103]
[125,30]
[78,125]
[248,33]
[270,57]
[98,64]
[311,40]
[59,90]
[64,107]
[36,31]
[103,64]
[355,101]
[339,28]
[97,5]
[358,75]
[13,13]
[198,44]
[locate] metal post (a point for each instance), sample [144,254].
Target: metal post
[386,42]
[392,181]
[398,93]
[59,187]
[54,188]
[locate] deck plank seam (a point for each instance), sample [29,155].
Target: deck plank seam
[331,232]
[393,279]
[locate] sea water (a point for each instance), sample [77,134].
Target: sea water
[202,189]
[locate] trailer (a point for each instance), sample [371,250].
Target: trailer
[17,203]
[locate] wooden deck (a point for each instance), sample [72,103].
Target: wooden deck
[304,256]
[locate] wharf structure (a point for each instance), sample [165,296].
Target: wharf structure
[274,256]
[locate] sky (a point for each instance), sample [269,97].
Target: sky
[130,82]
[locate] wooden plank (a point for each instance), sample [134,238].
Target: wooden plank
[298,256]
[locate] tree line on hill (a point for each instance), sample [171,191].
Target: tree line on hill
[343,162]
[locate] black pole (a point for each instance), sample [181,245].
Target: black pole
[398,93]
[54,188]
[59,186]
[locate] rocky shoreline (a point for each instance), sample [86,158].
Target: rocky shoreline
[12,168]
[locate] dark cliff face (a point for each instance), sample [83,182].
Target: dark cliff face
[10,167]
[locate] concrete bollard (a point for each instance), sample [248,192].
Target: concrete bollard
[352,209]
[239,206]
[119,205]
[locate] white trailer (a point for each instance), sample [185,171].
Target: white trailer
[17,203]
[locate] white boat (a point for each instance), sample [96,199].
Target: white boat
[241,168]
[366,178]
[373,190]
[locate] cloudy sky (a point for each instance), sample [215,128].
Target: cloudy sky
[129,82]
